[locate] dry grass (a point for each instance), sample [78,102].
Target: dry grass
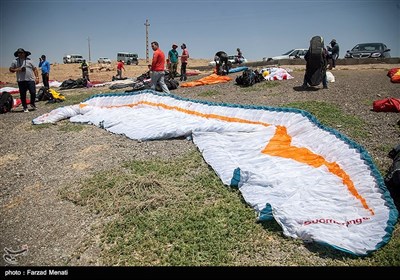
[62,72]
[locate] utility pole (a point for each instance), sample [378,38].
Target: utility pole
[90,59]
[147,24]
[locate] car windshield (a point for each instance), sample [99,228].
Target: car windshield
[368,47]
[289,52]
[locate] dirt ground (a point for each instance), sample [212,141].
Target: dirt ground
[37,163]
[99,72]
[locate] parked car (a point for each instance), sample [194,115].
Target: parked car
[104,60]
[72,58]
[369,50]
[233,59]
[292,54]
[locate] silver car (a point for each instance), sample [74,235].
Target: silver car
[104,60]
[292,54]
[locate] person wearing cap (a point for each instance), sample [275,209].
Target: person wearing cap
[184,60]
[173,61]
[44,65]
[334,53]
[27,77]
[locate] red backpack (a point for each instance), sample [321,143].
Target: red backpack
[387,105]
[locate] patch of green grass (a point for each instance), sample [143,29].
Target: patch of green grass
[209,93]
[178,213]
[169,213]
[71,127]
[41,126]
[332,116]
[69,100]
[64,126]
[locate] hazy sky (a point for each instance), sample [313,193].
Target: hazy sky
[261,28]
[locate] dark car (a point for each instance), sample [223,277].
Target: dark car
[369,50]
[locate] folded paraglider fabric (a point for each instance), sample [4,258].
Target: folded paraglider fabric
[316,183]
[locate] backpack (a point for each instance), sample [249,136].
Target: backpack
[6,102]
[44,94]
[248,78]
[386,105]
[258,76]
[171,84]
[55,96]
[392,178]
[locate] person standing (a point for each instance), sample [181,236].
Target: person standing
[120,66]
[27,77]
[316,63]
[240,57]
[173,61]
[184,60]
[334,53]
[44,65]
[85,70]
[158,68]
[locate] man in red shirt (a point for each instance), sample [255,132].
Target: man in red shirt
[120,66]
[158,68]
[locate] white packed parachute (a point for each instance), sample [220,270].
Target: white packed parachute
[317,184]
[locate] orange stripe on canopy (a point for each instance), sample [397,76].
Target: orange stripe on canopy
[280,145]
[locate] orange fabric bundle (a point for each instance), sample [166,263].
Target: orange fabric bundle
[209,80]
[394,75]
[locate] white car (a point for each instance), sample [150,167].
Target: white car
[292,54]
[232,59]
[104,60]
[73,58]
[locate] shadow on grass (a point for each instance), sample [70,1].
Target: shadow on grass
[301,88]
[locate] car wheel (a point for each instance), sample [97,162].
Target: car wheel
[129,62]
